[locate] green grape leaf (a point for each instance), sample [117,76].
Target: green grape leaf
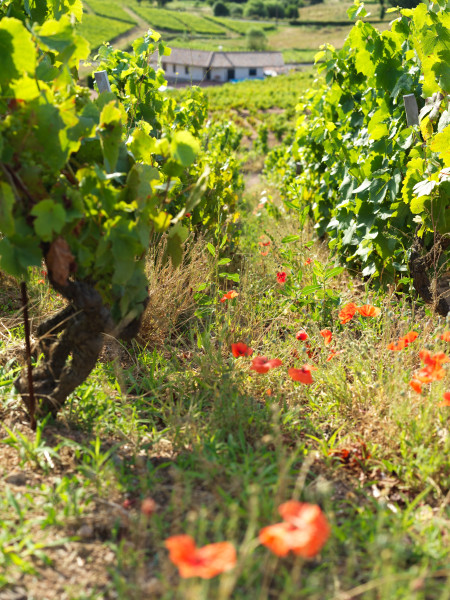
[112,119]
[6,209]
[441,143]
[50,219]
[184,148]
[17,51]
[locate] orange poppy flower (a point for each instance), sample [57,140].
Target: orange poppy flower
[327,335]
[304,530]
[262,364]
[204,562]
[410,336]
[229,296]
[281,277]
[347,312]
[446,336]
[308,261]
[416,385]
[301,335]
[332,354]
[303,374]
[241,349]
[404,341]
[446,399]
[367,310]
[265,253]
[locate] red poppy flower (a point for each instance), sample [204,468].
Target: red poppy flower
[332,354]
[446,399]
[204,562]
[281,277]
[262,364]
[229,296]
[367,310]
[347,312]
[410,336]
[404,341]
[327,335]
[446,336]
[241,349]
[303,374]
[41,282]
[308,261]
[304,530]
[301,335]
[416,385]
[265,243]
[265,253]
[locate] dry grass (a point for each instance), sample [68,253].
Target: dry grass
[171,291]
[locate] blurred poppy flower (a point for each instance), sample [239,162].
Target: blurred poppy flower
[206,562]
[281,277]
[265,243]
[347,312]
[308,261]
[404,341]
[301,335]
[416,385]
[446,336]
[446,399]
[229,296]
[332,354]
[265,253]
[367,310]
[303,375]
[304,530]
[241,349]
[327,335]
[41,282]
[262,364]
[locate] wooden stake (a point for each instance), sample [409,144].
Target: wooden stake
[101,78]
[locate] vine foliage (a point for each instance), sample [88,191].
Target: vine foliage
[86,183]
[372,182]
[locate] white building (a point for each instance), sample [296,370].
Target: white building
[185,64]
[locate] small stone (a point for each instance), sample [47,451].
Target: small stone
[85,532]
[17,478]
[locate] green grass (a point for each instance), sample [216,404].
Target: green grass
[98,29]
[200,25]
[190,426]
[110,10]
[159,18]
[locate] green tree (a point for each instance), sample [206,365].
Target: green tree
[220,9]
[255,8]
[256,39]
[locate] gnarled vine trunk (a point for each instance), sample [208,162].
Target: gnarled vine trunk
[433,291]
[71,342]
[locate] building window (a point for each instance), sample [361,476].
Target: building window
[174,68]
[186,70]
[164,66]
[252,72]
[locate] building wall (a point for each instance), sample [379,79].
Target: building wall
[220,74]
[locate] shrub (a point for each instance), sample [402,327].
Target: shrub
[255,8]
[275,10]
[236,10]
[220,9]
[291,12]
[256,39]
